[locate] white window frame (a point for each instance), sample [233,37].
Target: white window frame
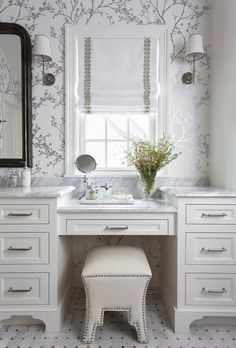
[73,35]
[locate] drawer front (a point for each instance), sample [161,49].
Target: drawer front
[117,227]
[24,214]
[205,214]
[24,248]
[24,288]
[211,289]
[210,248]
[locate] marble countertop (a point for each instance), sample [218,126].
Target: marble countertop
[140,206]
[197,191]
[36,192]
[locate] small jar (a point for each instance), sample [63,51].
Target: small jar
[93,195]
[87,194]
[26,177]
[110,192]
[14,180]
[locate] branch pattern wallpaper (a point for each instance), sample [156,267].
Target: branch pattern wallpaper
[188,106]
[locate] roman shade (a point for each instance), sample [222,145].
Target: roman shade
[118,75]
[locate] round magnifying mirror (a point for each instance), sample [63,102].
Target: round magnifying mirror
[85,163]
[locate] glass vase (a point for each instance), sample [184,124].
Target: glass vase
[147,182]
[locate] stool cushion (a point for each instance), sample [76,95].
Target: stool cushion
[116,279]
[115,261]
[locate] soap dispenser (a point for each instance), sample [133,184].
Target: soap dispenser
[26,177]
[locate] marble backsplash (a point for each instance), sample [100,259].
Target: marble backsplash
[128,184]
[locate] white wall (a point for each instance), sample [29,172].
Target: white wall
[223,95]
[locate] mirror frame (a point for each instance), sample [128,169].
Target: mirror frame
[88,156]
[26,95]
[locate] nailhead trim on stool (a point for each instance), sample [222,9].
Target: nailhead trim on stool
[125,309]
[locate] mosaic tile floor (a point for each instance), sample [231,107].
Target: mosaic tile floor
[116,333]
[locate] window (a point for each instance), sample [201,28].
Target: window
[107,137]
[103,133]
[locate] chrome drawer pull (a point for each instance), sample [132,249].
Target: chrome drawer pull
[19,249]
[214,215]
[20,290]
[116,227]
[20,214]
[214,291]
[213,250]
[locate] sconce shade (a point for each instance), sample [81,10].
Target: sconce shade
[194,48]
[42,49]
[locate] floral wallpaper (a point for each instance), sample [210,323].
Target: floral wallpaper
[188,106]
[188,110]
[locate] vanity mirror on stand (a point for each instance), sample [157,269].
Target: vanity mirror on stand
[15,96]
[85,164]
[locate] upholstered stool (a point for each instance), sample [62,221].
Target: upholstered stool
[116,279]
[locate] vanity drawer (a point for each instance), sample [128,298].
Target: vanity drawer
[205,214]
[24,248]
[24,288]
[24,214]
[211,289]
[117,227]
[210,248]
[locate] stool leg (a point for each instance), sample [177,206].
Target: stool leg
[138,317]
[93,319]
[89,331]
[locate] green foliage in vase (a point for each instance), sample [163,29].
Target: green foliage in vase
[149,158]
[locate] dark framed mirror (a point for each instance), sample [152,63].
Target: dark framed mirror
[15,96]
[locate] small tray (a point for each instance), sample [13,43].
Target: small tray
[111,201]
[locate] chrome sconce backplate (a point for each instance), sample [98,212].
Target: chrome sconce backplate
[187,78]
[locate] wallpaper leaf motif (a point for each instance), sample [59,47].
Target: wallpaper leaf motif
[182,17]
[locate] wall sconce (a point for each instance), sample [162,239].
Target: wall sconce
[194,52]
[42,52]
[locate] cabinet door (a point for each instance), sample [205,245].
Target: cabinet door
[24,248]
[117,227]
[204,214]
[24,214]
[210,289]
[24,288]
[210,248]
